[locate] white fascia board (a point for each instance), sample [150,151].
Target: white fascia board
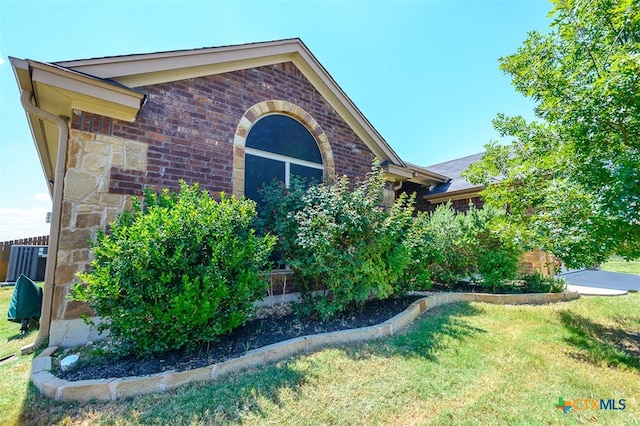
[116,67]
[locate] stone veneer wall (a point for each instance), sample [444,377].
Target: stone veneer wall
[87,207]
[538,260]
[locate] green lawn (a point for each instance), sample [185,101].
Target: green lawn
[14,372]
[618,264]
[468,363]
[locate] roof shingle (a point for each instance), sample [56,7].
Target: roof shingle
[454,169]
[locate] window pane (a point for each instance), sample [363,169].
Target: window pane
[258,171]
[284,135]
[307,173]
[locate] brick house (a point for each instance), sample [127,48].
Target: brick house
[104,128]
[224,117]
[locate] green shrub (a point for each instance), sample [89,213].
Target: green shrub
[437,251]
[497,262]
[339,238]
[348,244]
[447,247]
[495,255]
[453,246]
[277,216]
[535,282]
[395,241]
[179,272]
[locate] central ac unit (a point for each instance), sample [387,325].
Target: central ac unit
[27,260]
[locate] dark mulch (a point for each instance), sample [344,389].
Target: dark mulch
[255,334]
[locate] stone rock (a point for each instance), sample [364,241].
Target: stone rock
[74,239]
[68,362]
[135,155]
[94,164]
[88,220]
[79,185]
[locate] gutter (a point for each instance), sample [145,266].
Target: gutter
[428,173]
[439,197]
[56,216]
[413,173]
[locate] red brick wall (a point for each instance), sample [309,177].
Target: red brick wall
[189,126]
[419,190]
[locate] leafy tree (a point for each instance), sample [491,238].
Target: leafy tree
[572,180]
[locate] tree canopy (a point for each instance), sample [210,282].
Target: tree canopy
[572,178]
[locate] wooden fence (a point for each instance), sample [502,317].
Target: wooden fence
[5,251]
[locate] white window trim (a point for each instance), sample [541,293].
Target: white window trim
[287,174]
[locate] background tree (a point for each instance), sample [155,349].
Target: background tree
[572,180]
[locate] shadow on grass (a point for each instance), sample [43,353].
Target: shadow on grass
[20,336]
[226,401]
[432,331]
[627,320]
[599,344]
[219,402]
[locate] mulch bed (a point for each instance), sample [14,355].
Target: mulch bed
[255,334]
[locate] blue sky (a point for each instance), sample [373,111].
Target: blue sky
[425,73]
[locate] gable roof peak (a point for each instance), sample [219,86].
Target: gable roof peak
[144,69]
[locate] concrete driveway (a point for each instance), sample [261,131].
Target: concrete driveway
[601,283]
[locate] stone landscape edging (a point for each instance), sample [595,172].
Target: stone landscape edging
[117,388]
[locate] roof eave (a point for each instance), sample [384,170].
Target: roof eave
[427,174]
[36,126]
[88,93]
[145,65]
[443,197]
[59,91]
[413,174]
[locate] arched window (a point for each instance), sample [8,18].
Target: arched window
[278,147]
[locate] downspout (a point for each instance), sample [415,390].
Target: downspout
[56,216]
